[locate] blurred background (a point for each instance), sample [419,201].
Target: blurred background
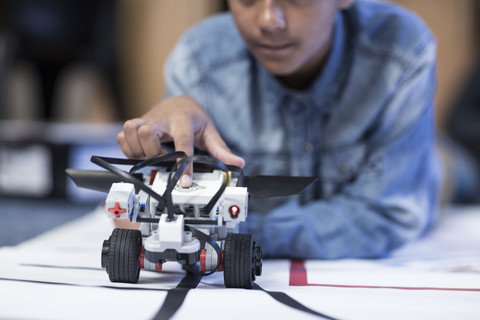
[71,71]
[101,61]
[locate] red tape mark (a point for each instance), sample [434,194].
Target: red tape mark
[298,278]
[298,273]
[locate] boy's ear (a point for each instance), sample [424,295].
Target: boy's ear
[345,4]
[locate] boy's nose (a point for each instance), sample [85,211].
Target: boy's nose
[271,17]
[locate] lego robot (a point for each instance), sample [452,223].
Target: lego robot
[195,226]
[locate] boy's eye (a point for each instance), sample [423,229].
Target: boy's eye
[289,2]
[300,3]
[247,3]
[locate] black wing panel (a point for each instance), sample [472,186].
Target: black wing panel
[93,179]
[275,186]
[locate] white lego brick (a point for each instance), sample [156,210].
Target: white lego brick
[204,186]
[170,232]
[234,197]
[171,235]
[120,200]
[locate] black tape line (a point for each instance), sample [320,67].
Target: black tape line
[176,296]
[58,267]
[285,299]
[81,285]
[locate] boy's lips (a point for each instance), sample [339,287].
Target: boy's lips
[274,48]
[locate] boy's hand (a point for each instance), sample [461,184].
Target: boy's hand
[181,120]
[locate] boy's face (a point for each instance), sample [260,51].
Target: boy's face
[287,37]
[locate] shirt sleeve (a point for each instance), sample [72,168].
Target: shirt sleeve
[373,213]
[181,72]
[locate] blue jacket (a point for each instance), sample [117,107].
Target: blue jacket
[365,128]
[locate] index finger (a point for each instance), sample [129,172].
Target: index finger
[183,141]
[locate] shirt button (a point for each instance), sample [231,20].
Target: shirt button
[307,148]
[295,108]
[342,168]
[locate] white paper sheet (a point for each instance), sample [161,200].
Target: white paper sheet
[58,276]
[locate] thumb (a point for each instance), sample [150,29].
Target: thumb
[226,156]
[215,145]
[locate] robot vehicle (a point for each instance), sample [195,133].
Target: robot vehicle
[196,226]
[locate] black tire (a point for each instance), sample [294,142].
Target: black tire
[240,263]
[120,255]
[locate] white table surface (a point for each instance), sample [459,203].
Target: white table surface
[58,276]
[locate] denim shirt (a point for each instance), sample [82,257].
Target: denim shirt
[364,128]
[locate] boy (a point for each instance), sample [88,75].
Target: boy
[341,90]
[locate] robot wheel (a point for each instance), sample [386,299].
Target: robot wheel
[120,255]
[242,261]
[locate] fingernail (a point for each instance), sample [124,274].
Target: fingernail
[242,162]
[185,181]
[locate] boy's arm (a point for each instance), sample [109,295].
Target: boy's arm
[382,208]
[367,218]
[179,119]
